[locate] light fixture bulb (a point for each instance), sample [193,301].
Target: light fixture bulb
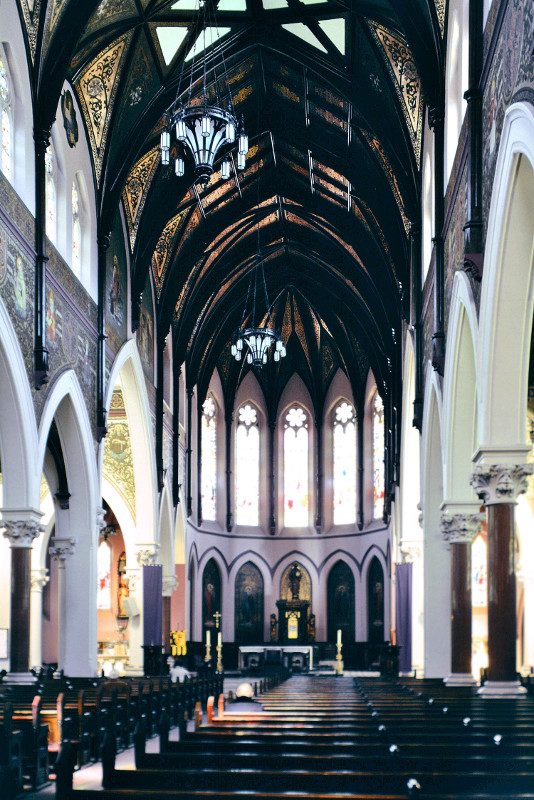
[165,139]
[276,355]
[241,161]
[225,169]
[181,132]
[206,125]
[234,350]
[239,343]
[249,358]
[230,132]
[165,157]
[243,143]
[179,166]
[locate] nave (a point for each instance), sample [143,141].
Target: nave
[323,737]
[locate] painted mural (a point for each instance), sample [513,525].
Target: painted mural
[340,602]
[249,605]
[145,332]
[116,288]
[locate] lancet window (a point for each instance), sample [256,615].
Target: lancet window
[247,466]
[5,118]
[209,459]
[344,464]
[378,457]
[296,499]
[76,231]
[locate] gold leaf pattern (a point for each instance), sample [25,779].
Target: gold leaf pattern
[96,89]
[403,71]
[379,151]
[54,12]
[136,190]
[161,255]
[118,460]
[440,11]
[30,12]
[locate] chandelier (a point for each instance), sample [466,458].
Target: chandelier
[257,338]
[204,129]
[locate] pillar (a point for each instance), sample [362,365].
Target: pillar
[498,485]
[39,579]
[459,530]
[21,533]
[169,584]
[60,550]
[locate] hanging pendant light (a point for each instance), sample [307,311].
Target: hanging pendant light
[205,129]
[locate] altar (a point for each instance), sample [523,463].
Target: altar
[291,656]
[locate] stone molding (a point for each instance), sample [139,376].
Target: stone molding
[21,532]
[147,555]
[460,528]
[500,483]
[169,584]
[39,579]
[62,548]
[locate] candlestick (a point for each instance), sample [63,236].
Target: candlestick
[208,638]
[219,639]
[339,635]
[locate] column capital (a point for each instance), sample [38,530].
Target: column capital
[410,551]
[147,555]
[169,584]
[21,532]
[500,483]
[460,528]
[62,548]
[100,519]
[39,579]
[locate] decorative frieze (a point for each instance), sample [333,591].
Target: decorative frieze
[460,528]
[21,532]
[500,483]
[62,548]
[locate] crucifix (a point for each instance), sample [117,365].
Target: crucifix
[217,616]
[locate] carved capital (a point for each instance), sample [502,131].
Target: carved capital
[61,549]
[147,555]
[169,584]
[100,519]
[460,528]
[500,483]
[21,532]
[410,552]
[39,579]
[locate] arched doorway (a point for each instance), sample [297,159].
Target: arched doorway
[340,602]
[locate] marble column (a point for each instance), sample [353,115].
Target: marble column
[459,530]
[169,584]
[39,579]
[61,548]
[499,485]
[21,533]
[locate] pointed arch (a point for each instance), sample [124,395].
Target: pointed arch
[507,300]
[341,600]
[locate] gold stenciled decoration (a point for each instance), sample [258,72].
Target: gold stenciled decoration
[376,145]
[96,89]
[54,12]
[30,12]
[304,589]
[440,11]
[136,190]
[118,460]
[161,255]
[403,71]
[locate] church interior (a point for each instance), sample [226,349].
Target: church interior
[266,361]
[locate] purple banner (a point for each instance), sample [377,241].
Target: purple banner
[403,615]
[152,605]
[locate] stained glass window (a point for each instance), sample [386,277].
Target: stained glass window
[103,595]
[344,465]
[50,195]
[76,231]
[209,460]
[378,457]
[5,114]
[296,469]
[479,587]
[247,467]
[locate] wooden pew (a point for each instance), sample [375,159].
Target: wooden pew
[10,754]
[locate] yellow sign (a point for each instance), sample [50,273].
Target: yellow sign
[178,643]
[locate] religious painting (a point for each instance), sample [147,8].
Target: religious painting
[211,597]
[249,605]
[20,288]
[145,332]
[116,287]
[295,583]
[375,602]
[122,586]
[51,319]
[70,123]
[340,603]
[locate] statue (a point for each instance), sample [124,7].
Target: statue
[311,628]
[294,581]
[273,627]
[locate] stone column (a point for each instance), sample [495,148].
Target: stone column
[459,529]
[62,548]
[135,663]
[499,485]
[39,579]
[168,586]
[21,534]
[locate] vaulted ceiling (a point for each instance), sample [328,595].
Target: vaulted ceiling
[332,95]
